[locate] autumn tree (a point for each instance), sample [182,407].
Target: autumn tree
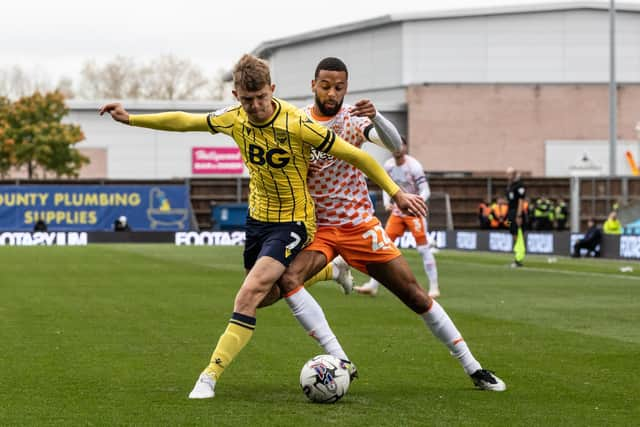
[7,146]
[40,139]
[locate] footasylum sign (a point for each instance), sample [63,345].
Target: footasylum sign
[43,239]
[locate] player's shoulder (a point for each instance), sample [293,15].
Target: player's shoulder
[389,163]
[289,108]
[228,111]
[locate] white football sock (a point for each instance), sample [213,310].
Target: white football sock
[337,263]
[443,328]
[310,315]
[430,266]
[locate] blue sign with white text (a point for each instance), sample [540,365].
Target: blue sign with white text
[95,207]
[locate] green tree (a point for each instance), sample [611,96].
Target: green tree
[7,145]
[40,139]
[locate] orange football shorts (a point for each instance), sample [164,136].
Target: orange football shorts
[359,245]
[397,225]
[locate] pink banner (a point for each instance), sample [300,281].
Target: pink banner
[216,160]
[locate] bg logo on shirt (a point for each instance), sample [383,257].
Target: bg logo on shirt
[276,157]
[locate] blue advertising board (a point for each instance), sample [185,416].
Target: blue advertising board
[95,207]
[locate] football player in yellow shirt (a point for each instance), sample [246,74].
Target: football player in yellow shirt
[275,140]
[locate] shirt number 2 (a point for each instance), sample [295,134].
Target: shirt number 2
[379,238]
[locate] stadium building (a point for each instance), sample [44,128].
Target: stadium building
[475,90]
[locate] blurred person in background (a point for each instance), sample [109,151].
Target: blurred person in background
[590,241]
[515,193]
[561,215]
[40,226]
[121,224]
[543,214]
[612,225]
[409,174]
[498,214]
[484,210]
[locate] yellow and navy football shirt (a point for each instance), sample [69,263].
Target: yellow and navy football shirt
[277,157]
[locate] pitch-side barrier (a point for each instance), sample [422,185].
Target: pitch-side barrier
[544,243]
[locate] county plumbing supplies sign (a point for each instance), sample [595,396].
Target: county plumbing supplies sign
[94,207]
[216,161]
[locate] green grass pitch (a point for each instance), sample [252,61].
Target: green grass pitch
[117,335]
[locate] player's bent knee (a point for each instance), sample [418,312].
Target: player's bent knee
[289,281]
[251,295]
[416,298]
[271,298]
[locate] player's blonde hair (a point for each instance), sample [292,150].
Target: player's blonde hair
[251,73]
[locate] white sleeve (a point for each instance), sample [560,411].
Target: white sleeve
[420,179]
[384,134]
[424,190]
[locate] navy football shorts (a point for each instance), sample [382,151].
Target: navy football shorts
[281,241]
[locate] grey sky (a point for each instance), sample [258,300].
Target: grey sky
[56,38]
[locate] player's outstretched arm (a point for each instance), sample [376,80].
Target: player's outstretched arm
[177,121]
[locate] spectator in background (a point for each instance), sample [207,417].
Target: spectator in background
[543,214]
[40,226]
[612,225]
[590,241]
[498,214]
[483,215]
[121,224]
[561,215]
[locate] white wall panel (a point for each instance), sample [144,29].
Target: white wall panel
[445,50]
[551,47]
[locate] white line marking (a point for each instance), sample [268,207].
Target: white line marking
[551,270]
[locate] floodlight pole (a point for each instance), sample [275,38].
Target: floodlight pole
[613,125]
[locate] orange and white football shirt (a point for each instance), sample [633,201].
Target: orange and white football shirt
[340,190]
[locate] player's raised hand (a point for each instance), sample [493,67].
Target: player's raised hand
[364,108]
[117,112]
[411,204]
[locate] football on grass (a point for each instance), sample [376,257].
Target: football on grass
[324,379]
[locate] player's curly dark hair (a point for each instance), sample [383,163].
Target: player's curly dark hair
[251,73]
[331,64]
